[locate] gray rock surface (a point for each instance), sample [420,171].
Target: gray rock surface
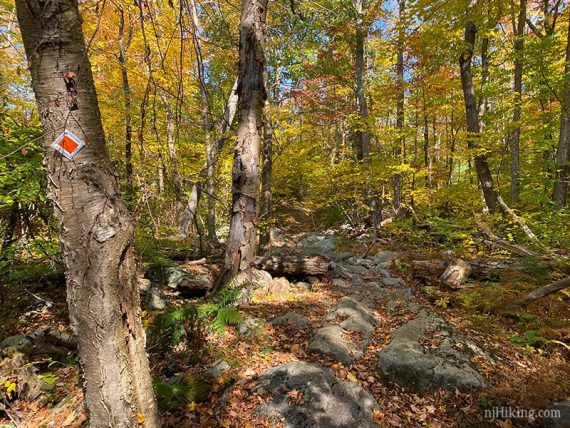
[45,340]
[292,318]
[219,368]
[321,242]
[350,314]
[383,257]
[322,400]
[156,299]
[249,326]
[444,363]
[559,416]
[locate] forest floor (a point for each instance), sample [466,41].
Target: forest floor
[206,378]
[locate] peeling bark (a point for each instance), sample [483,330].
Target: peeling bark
[96,230]
[241,245]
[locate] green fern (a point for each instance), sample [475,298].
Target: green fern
[220,313]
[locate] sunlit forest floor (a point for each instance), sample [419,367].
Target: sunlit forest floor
[207,375]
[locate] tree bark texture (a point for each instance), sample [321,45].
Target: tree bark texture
[397,199]
[517,87]
[123,45]
[241,244]
[473,128]
[293,265]
[362,136]
[96,230]
[560,195]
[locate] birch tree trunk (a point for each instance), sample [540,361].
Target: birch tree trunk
[517,87]
[96,230]
[473,128]
[241,245]
[560,195]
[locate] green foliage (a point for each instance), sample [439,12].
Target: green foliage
[181,390]
[174,326]
[219,313]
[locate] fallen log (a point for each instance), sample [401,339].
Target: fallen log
[297,265]
[544,291]
[456,274]
[481,269]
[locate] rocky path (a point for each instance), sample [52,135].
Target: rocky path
[424,354]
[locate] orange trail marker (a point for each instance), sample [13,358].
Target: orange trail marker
[67,144]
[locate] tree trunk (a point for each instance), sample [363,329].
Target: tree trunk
[560,195]
[362,137]
[517,88]
[207,125]
[473,128]
[189,214]
[127,101]
[241,245]
[397,199]
[96,230]
[266,173]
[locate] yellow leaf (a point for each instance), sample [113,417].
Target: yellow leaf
[11,388]
[140,418]
[295,347]
[351,377]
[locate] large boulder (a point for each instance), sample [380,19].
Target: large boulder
[352,314]
[427,354]
[308,395]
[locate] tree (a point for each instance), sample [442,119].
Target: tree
[517,87]
[560,195]
[472,113]
[241,244]
[397,200]
[96,230]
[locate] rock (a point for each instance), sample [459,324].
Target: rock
[323,401]
[393,282]
[356,269]
[45,340]
[326,243]
[189,284]
[339,257]
[156,299]
[279,286]
[292,318]
[312,280]
[304,285]
[559,415]
[350,314]
[256,277]
[249,326]
[383,257]
[360,262]
[443,365]
[219,368]
[337,282]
